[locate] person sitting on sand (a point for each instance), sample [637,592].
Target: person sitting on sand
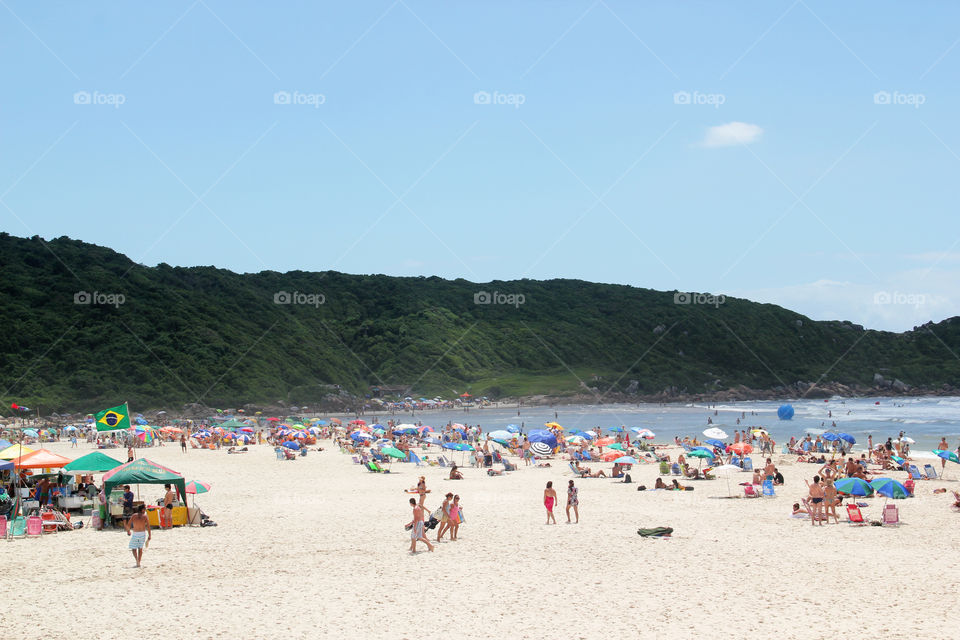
[690,472]
[679,487]
[660,484]
[454,474]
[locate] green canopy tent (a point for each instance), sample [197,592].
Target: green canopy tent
[95,462]
[143,471]
[233,423]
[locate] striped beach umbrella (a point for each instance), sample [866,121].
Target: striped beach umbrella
[540,448]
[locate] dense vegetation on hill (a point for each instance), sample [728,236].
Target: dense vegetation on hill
[212,336]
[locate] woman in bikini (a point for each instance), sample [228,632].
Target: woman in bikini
[550,499]
[454,518]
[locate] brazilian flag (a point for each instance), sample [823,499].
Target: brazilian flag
[113,418]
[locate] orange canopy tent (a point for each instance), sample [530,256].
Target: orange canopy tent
[41,459]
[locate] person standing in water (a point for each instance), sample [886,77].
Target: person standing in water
[549,500]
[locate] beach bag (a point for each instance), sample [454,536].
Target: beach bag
[627,479]
[655,532]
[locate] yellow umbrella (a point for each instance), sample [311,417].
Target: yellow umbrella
[553,425]
[14,451]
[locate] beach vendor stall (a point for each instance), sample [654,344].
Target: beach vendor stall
[85,467]
[143,471]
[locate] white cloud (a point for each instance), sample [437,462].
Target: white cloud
[903,300]
[732,133]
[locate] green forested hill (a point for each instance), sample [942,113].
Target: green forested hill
[212,336]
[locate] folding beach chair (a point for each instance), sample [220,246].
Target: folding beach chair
[415,459]
[675,469]
[747,464]
[930,471]
[372,467]
[576,471]
[355,459]
[891,515]
[915,473]
[442,461]
[664,469]
[750,492]
[507,466]
[854,516]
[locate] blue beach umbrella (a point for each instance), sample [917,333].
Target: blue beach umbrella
[947,455]
[617,429]
[512,428]
[625,460]
[889,487]
[291,445]
[854,487]
[717,443]
[831,437]
[542,435]
[846,436]
[31,432]
[499,435]
[457,446]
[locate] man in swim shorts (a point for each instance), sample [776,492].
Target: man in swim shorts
[168,499]
[138,528]
[416,527]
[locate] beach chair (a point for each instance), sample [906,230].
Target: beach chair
[747,464]
[576,471]
[930,471]
[750,492]
[372,467]
[664,468]
[675,469]
[891,515]
[915,473]
[507,466]
[355,459]
[34,526]
[768,489]
[18,527]
[442,461]
[854,516]
[577,456]
[415,459]
[279,452]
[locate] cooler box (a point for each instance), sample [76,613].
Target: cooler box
[153,516]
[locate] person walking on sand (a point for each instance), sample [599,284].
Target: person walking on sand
[422,490]
[455,518]
[183,443]
[816,501]
[573,500]
[138,528]
[445,516]
[943,446]
[416,528]
[550,499]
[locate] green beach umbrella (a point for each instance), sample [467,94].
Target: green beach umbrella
[853,487]
[617,446]
[890,488]
[947,455]
[393,452]
[196,487]
[699,453]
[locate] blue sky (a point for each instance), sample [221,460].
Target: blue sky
[802,153]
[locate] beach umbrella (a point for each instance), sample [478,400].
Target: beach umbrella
[889,487]
[393,452]
[196,487]
[31,432]
[726,470]
[759,432]
[360,422]
[246,429]
[700,453]
[741,447]
[432,440]
[947,455]
[541,435]
[291,445]
[553,425]
[540,448]
[617,446]
[574,439]
[512,428]
[407,431]
[244,439]
[610,456]
[500,434]
[626,460]
[847,437]
[589,434]
[457,446]
[717,443]
[602,442]
[907,439]
[830,437]
[714,432]
[853,487]
[647,434]
[617,429]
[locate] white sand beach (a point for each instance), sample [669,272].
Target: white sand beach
[316,548]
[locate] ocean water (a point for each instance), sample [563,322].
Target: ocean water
[925,420]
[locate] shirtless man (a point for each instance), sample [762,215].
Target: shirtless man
[769,470]
[138,528]
[168,499]
[816,501]
[417,533]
